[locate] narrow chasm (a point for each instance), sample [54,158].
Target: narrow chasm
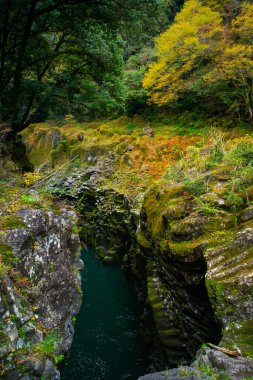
[180,306]
[158,320]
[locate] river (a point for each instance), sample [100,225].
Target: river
[107,343]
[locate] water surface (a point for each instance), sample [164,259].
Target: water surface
[107,343]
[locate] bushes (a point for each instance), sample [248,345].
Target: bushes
[196,187]
[48,347]
[242,155]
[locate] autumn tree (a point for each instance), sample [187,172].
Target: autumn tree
[183,52]
[235,63]
[205,56]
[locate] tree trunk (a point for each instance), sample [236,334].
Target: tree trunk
[18,70]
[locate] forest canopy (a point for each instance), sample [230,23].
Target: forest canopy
[94,58]
[60,57]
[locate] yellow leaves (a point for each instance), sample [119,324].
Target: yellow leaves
[243,24]
[31,177]
[187,41]
[197,49]
[11,199]
[234,63]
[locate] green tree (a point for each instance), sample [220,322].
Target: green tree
[66,50]
[135,69]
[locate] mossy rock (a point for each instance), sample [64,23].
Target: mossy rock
[189,228]
[6,253]
[10,222]
[142,239]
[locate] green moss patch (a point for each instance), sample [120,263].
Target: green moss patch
[11,222]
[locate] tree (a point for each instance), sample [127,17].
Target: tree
[184,51]
[235,63]
[135,68]
[50,48]
[139,52]
[206,56]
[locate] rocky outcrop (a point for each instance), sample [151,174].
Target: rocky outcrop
[39,293]
[236,368]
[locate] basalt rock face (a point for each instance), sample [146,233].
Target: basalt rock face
[172,288]
[199,273]
[39,293]
[181,309]
[185,373]
[107,223]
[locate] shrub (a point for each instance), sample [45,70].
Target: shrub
[28,199]
[233,200]
[31,177]
[69,118]
[48,346]
[205,208]
[4,269]
[6,254]
[196,187]
[242,155]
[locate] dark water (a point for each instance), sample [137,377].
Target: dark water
[107,344]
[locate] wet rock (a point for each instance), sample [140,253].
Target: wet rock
[111,155]
[50,372]
[107,223]
[188,228]
[213,199]
[2,306]
[129,148]
[127,160]
[247,214]
[33,365]
[56,136]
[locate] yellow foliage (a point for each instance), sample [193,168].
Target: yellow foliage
[243,24]
[31,177]
[194,36]
[201,49]
[235,63]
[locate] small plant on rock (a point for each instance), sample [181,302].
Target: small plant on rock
[48,346]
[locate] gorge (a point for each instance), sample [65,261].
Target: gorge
[183,248]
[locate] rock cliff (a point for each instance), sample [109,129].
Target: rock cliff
[39,292]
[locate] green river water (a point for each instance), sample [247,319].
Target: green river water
[107,343]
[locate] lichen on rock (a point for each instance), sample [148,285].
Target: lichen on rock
[39,294]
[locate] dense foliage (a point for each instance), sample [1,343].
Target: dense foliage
[61,57]
[205,58]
